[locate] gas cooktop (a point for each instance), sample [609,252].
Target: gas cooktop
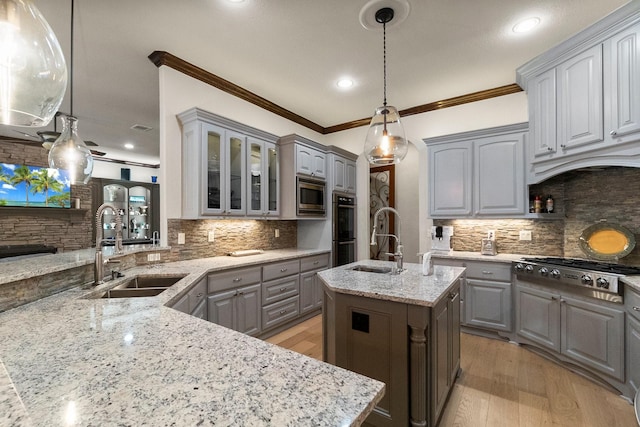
[584,264]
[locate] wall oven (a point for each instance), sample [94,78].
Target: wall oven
[310,197]
[344,229]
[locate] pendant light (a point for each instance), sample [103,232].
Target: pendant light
[69,152]
[33,73]
[385,143]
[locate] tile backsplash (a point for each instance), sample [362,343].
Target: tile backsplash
[585,197]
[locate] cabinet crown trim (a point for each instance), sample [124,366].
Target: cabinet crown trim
[480,133]
[616,21]
[297,139]
[198,114]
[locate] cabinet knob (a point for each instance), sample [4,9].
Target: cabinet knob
[237,279]
[554,298]
[549,149]
[563,145]
[283,312]
[240,292]
[283,289]
[316,262]
[199,295]
[636,308]
[562,301]
[282,270]
[613,133]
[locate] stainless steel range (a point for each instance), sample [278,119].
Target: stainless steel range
[594,279]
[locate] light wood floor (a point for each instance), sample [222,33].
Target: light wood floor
[503,384]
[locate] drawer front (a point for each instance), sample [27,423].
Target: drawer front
[315,262]
[632,301]
[233,278]
[489,271]
[280,289]
[197,294]
[280,269]
[280,312]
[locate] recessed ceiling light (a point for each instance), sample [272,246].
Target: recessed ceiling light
[344,83]
[128,146]
[526,25]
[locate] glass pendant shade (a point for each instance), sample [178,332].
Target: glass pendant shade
[385,143]
[33,72]
[70,153]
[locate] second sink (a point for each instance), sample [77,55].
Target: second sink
[371,269]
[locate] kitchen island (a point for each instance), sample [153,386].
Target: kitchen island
[401,329]
[74,359]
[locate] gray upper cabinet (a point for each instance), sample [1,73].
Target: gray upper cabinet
[310,161]
[220,176]
[479,173]
[584,98]
[343,173]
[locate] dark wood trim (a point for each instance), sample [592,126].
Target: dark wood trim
[42,211]
[392,197]
[160,58]
[126,162]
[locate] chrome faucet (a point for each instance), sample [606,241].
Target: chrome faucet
[98,272]
[398,253]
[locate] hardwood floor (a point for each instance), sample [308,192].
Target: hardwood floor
[503,384]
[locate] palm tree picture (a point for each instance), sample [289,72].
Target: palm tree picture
[31,186]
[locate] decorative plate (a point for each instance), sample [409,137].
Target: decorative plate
[605,241]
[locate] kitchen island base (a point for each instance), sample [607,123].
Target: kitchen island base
[414,349]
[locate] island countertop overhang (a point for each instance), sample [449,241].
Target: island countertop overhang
[409,287]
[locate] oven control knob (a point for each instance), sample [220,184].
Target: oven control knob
[555,273]
[519,266]
[602,283]
[586,280]
[529,268]
[544,271]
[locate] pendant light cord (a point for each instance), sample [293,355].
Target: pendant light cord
[71,62]
[384,62]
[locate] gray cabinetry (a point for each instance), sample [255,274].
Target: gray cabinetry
[194,301]
[281,288]
[590,334]
[632,302]
[310,161]
[479,173]
[446,355]
[584,98]
[237,309]
[343,172]
[310,286]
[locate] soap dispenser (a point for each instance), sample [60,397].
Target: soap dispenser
[427,265]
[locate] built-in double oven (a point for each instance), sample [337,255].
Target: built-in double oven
[344,229]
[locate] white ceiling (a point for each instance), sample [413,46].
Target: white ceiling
[292,52]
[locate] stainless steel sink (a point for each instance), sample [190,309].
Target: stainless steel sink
[151,282]
[132,293]
[371,269]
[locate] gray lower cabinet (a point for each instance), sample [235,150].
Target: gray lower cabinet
[310,292]
[632,302]
[488,304]
[237,309]
[193,302]
[590,334]
[280,301]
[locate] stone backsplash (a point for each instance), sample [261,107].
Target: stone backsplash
[585,197]
[230,235]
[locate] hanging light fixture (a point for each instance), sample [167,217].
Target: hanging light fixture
[385,143]
[33,74]
[69,152]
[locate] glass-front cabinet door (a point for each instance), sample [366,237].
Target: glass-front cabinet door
[255,178]
[115,195]
[139,212]
[214,179]
[236,161]
[262,161]
[272,193]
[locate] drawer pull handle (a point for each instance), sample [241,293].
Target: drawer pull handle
[283,289]
[237,279]
[240,292]
[487,272]
[636,308]
[554,298]
[283,312]
[282,270]
[199,295]
[316,262]
[453,296]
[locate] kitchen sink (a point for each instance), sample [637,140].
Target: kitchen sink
[371,269]
[151,282]
[132,293]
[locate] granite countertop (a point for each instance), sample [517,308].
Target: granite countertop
[477,256]
[410,286]
[73,360]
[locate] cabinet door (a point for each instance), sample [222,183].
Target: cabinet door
[310,161]
[271,170]
[593,335]
[454,333]
[339,174]
[441,351]
[221,308]
[235,174]
[307,291]
[450,177]
[633,352]
[580,104]
[488,304]
[201,310]
[255,177]
[350,177]
[248,304]
[541,93]
[499,175]
[538,317]
[622,77]
[213,139]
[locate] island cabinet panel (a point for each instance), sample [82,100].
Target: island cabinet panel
[366,327]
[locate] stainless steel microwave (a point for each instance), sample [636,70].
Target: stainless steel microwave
[310,194]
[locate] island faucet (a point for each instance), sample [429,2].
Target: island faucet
[398,253]
[98,272]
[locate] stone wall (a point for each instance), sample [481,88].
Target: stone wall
[584,196]
[230,235]
[65,230]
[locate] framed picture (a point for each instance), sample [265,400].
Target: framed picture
[34,186]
